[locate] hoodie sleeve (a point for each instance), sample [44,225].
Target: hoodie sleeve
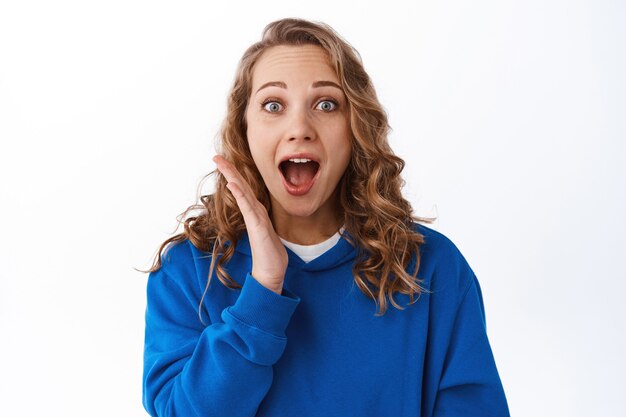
[224,369]
[470,385]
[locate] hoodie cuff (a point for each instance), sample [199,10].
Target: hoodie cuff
[262,308]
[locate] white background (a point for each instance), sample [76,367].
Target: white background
[510,116]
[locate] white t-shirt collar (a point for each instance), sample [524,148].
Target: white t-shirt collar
[309,252]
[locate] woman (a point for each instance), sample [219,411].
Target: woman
[308,208]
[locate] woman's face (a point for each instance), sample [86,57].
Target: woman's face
[297,111]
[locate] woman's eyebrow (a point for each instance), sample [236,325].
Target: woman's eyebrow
[273,83]
[316,84]
[326,84]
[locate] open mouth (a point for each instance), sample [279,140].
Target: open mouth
[299,174]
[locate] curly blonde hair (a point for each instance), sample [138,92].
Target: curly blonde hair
[377,217]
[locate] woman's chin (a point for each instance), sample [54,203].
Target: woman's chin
[305,206]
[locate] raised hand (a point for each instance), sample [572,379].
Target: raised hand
[269,256]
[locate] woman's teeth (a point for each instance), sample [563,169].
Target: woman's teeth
[299,161]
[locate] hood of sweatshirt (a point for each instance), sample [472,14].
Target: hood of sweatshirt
[339,254]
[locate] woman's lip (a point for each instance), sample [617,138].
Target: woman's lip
[298,191]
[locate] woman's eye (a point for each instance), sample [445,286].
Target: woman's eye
[327,105]
[272,106]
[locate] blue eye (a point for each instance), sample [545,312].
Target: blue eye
[272,106]
[327,105]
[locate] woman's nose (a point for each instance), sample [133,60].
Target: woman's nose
[301,126]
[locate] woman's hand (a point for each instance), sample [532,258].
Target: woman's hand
[269,256]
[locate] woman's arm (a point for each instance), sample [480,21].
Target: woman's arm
[470,385]
[224,369]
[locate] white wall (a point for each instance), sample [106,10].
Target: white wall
[509,114]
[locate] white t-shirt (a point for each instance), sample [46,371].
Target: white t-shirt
[309,252]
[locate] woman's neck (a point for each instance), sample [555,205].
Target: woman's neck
[309,230]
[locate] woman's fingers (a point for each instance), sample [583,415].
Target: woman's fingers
[240,189]
[245,205]
[231,174]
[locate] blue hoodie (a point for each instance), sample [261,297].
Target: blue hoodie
[317,349]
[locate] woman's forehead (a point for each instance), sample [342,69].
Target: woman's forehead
[286,61]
